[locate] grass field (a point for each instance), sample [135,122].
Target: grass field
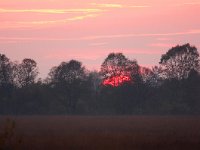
[106,133]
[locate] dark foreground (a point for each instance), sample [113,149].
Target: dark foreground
[105,133]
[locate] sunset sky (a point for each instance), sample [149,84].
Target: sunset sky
[52,31]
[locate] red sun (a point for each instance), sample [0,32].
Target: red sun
[116,80]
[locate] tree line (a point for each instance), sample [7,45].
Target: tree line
[121,87]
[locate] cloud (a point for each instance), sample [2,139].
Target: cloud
[140,52]
[97,44]
[186,4]
[91,55]
[52,11]
[108,5]
[81,13]
[165,45]
[139,6]
[65,55]
[191,32]
[75,18]
[192,3]
[163,39]
[82,17]
[27,24]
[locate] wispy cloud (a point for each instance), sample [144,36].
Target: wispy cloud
[75,18]
[109,5]
[186,4]
[139,6]
[192,3]
[163,39]
[140,52]
[191,32]
[165,45]
[65,55]
[89,54]
[27,24]
[97,44]
[79,14]
[52,11]
[82,17]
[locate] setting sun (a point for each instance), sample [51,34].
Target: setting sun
[116,81]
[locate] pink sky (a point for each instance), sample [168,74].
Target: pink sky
[52,31]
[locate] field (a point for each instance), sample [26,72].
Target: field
[106,133]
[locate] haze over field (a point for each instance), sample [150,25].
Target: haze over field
[51,31]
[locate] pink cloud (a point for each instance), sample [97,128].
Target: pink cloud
[165,45]
[163,39]
[97,44]
[190,32]
[66,55]
[140,51]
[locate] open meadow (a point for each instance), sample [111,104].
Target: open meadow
[104,133]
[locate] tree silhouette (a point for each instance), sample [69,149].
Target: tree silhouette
[25,73]
[152,77]
[69,78]
[121,87]
[179,61]
[5,70]
[117,69]
[6,80]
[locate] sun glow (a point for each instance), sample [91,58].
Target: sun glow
[116,80]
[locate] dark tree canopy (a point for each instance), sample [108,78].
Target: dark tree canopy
[179,61]
[153,76]
[26,72]
[67,72]
[68,78]
[121,87]
[5,70]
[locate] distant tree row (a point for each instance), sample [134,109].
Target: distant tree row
[121,86]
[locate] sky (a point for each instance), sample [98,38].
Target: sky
[52,31]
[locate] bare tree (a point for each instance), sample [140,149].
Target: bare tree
[179,61]
[5,71]
[25,73]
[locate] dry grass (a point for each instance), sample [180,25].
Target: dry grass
[108,133]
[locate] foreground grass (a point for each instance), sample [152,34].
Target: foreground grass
[107,133]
